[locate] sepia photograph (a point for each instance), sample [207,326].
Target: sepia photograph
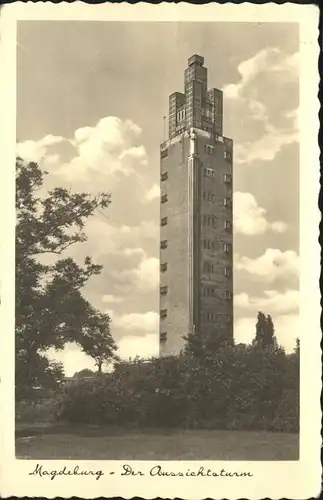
[157,261]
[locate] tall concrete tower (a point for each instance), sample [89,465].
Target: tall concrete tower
[196,260]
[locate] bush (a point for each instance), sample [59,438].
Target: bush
[286,418]
[245,388]
[37,412]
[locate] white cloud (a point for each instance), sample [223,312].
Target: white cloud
[39,150]
[146,229]
[104,238]
[279,226]
[267,146]
[104,154]
[112,299]
[143,278]
[73,359]
[269,63]
[153,193]
[130,252]
[250,218]
[273,264]
[145,347]
[136,323]
[287,330]
[107,149]
[272,302]
[137,153]
[267,60]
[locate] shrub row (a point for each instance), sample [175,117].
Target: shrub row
[238,388]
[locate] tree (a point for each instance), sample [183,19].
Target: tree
[97,341]
[37,371]
[265,332]
[193,345]
[204,346]
[297,349]
[86,372]
[50,307]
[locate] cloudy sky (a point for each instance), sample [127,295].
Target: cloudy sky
[91,97]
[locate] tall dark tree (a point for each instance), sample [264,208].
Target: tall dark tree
[97,341]
[193,345]
[204,346]
[297,348]
[265,332]
[50,307]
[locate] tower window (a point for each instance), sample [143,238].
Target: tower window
[164,221]
[164,153]
[227,271]
[228,318]
[209,268]
[209,220]
[226,248]
[164,176]
[227,202]
[164,198]
[228,156]
[163,267]
[163,313]
[228,294]
[163,290]
[227,225]
[208,148]
[227,178]
[211,317]
[163,244]
[208,244]
[208,196]
[208,292]
[209,172]
[181,115]
[163,337]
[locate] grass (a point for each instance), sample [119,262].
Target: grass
[107,443]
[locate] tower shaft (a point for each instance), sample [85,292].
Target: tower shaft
[196,259]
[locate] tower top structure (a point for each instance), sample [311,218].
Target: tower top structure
[197,107]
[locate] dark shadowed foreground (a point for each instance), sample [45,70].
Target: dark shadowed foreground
[98,443]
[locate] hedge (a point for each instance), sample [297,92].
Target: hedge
[237,388]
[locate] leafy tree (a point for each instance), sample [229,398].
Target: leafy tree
[298,347]
[265,332]
[83,373]
[50,307]
[97,341]
[193,345]
[38,371]
[204,346]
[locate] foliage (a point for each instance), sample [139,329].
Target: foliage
[202,347]
[50,307]
[44,373]
[97,341]
[40,411]
[83,373]
[238,387]
[265,332]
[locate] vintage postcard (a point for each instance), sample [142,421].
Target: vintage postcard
[160,260]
